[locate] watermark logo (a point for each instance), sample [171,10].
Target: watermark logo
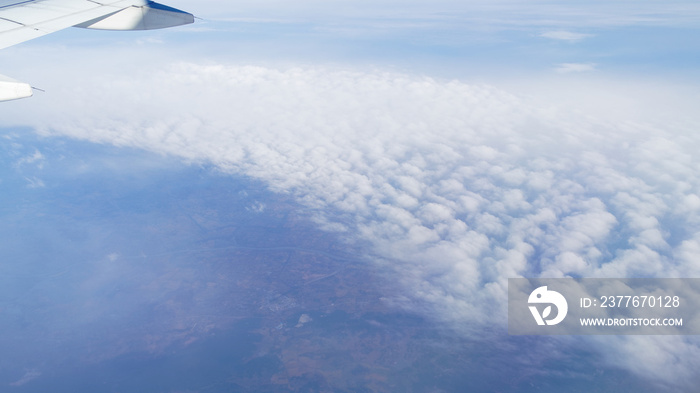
[611,306]
[542,296]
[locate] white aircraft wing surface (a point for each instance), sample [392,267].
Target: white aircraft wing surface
[23,20]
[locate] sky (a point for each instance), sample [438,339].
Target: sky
[466,141]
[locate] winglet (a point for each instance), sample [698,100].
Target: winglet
[148,17]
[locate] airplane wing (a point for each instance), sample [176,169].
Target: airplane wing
[23,20]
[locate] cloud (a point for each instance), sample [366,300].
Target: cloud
[27,377]
[36,158]
[568,68]
[666,350]
[565,35]
[455,187]
[35,182]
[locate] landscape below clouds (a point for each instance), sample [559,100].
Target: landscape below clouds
[456,186]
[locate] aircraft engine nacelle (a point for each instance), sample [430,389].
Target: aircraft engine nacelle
[147,17]
[11,89]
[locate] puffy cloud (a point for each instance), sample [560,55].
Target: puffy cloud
[456,187]
[682,353]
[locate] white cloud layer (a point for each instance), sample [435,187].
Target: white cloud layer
[456,186]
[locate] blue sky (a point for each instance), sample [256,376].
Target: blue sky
[519,33]
[468,142]
[465,39]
